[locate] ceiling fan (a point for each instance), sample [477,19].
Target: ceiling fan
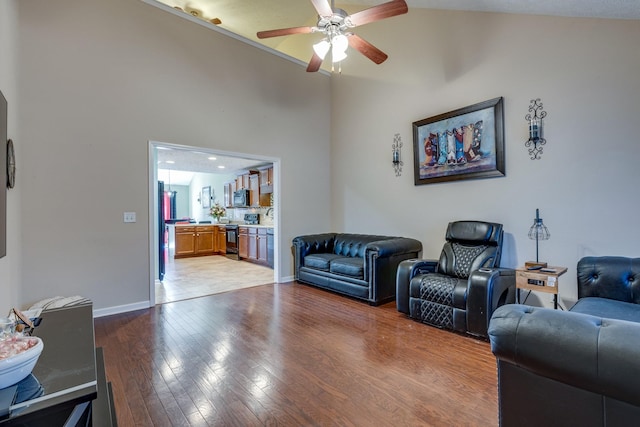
[335,24]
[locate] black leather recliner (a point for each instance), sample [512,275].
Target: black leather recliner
[461,290]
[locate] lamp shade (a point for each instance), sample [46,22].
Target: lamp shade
[321,48]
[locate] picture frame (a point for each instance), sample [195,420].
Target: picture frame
[206,197]
[467,143]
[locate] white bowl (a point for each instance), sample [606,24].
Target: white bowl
[16,368]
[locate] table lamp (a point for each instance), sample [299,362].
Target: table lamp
[537,232]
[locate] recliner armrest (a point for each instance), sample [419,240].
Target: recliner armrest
[407,270]
[487,289]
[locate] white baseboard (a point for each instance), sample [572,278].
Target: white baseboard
[286,279]
[100,312]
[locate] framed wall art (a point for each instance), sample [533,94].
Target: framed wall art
[206,197]
[467,143]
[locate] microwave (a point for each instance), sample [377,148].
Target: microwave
[241,198]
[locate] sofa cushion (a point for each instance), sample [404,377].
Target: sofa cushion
[348,266]
[608,308]
[320,261]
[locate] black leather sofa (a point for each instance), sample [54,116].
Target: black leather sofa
[579,367]
[358,265]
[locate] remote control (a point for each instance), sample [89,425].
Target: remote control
[534,267]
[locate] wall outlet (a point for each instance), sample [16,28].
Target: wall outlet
[129,217]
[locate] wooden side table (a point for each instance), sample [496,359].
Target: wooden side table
[543,280]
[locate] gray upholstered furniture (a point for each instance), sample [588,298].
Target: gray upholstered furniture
[460,290]
[358,265]
[579,367]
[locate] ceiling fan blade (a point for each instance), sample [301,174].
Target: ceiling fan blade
[367,49]
[376,13]
[322,7]
[284,32]
[314,64]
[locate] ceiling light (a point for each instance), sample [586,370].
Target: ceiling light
[322,48]
[340,42]
[212,158]
[337,55]
[221,167]
[170,162]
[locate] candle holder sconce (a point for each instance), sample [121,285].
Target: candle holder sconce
[536,141]
[396,149]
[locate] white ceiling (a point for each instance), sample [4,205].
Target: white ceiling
[246,17]
[186,162]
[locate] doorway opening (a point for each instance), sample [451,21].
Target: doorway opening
[197,178]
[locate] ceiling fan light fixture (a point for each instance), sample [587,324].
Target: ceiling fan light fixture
[337,55]
[321,48]
[340,43]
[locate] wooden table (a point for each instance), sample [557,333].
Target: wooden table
[543,280]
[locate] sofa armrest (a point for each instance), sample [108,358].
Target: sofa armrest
[407,270]
[487,289]
[395,246]
[312,243]
[588,352]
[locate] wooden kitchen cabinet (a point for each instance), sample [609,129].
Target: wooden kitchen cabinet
[252,244]
[229,189]
[243,242]
[254,190]
[221,237]
[262,245]
[205,240]
[194,240]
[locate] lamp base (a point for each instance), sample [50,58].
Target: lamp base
[528,264]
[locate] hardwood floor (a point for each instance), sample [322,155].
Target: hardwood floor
[292,355]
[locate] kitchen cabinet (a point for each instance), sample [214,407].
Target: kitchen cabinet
[229,189]
[221,240]
[254,190]
[243,242]
[205,240]
[253,244]
[185,241]
[261,256]
[266,187]
[194,240]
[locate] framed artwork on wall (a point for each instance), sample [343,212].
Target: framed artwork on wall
[206,197]
[467,143]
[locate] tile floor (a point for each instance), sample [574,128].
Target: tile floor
[187,278]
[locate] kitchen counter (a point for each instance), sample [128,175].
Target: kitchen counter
[256,225]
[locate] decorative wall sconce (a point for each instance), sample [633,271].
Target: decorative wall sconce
[396,149]
[536,140]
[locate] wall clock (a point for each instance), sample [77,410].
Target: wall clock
[11,165]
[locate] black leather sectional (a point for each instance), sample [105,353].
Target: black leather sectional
[358,265]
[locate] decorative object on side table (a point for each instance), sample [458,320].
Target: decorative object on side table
[396,149]
[537,232]
[534,117]
[466,143]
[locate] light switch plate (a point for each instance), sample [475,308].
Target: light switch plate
[129,217]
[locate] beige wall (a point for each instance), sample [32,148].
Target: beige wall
[93,92]
[10,288]
[98,81]
[586,73]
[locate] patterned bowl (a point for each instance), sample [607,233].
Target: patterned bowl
[15,368]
